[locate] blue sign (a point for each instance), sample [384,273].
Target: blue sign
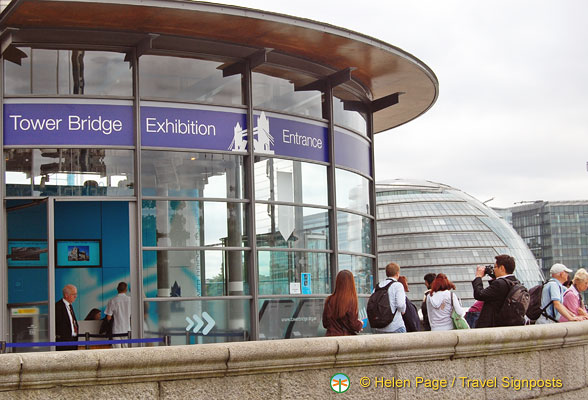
[68,124]
[352,151]
[306,283]
[205,129]
[290,137]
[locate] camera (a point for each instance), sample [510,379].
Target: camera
[489,270]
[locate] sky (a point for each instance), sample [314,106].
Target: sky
[511,120]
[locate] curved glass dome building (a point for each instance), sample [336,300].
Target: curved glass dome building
[430,227]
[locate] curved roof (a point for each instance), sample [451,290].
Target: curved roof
[380,68]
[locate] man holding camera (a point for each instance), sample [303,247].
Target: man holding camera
[495,294]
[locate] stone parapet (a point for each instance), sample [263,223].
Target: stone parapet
[463,361]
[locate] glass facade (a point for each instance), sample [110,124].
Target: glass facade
[556,232]
[226,176]
[211,225]
[427,227]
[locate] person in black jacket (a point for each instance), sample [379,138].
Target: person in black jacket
[429,278]
[495,294]
[66,324]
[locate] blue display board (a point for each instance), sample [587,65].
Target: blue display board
[78,253]
[352,151]
[206,128]
[27,253]
[68,124]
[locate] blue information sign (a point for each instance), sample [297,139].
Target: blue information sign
[68,124]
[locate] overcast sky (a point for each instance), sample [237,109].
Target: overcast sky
[511,120]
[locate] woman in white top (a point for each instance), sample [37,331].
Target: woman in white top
[439,304]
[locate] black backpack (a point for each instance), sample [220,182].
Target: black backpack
[534,311]
[515,305]
[379,311]
[412,322]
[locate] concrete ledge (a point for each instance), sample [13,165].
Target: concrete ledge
[301,368]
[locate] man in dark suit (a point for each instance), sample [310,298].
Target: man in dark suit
[66,324]
[495,294]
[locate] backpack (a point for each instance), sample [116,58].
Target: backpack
[412,322]
[378,307]
[534,310]
[515,305]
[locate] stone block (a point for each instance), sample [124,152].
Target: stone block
[393,347]
[162,363]
[138,391]
[10,365]
[263,386]
[511,371]
[565,364]
[280,355]
[443,379]
[58,368]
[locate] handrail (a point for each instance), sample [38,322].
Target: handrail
[165,340]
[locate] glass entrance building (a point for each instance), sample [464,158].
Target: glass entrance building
[216,158]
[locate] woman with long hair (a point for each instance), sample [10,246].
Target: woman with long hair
[340,315]
[441,301]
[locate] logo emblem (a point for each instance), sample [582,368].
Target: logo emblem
[340,383]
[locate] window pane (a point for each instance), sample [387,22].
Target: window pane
[282,180]
[354,233]
[69,72]
[178,223]
[188,79]
[290,318]
[278,269]
[353,191]
[362,268]
[223,321]
[270,93]
[349,119]
[69,172]
[180,273]
[291,227]
[167,173]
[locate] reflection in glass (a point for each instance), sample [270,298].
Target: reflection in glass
[362,268]
[353,120]
[354,233]
[167,173]
[353,191]
[81,72]
[282,180]
[291,227]
[223,321]
[69,172]
[270,93]
[179,223]
[194,273]
[282,272]
[188,79]
[290,318]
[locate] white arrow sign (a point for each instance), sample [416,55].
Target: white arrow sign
[197,323]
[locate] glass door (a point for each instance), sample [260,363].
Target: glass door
[27,272]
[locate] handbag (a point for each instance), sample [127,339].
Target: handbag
[458,321]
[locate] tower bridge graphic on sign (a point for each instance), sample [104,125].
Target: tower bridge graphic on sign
[263,141]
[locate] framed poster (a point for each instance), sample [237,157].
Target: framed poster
[78,253]
[27,253]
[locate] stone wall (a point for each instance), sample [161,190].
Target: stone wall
[422,365]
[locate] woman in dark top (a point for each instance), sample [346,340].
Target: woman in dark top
[340,313]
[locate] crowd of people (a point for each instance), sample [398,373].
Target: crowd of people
[559,299]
